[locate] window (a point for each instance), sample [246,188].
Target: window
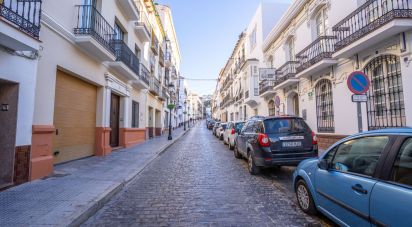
[360,156]
[324,106]
[119,33]
[385,106]
[293,125]
[402,168]
[135,114]
[322,24]
[272,108]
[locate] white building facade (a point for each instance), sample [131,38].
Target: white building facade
[317,45]
[19,56]
[93,79]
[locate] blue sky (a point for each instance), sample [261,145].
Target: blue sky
[207,31]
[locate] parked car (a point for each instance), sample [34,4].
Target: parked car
[363,180]
[215,127]
[231,132]
[275,141]
[210,123]
[221,130]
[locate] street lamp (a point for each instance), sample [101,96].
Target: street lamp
[170,106]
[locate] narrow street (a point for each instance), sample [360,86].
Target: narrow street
[204,186]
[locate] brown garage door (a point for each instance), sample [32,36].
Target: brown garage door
[74,118]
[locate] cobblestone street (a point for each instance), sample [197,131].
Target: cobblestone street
[198,181]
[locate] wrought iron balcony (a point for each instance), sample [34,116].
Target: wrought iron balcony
[155,44]
[369,17]
[286,72]
[144,74]
[24,14]
[266,86]
[125,55]
[161,57]
[90,22]
[154,86]
[322,48]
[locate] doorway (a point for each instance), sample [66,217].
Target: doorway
[293,104]
[9,93]
[114,120]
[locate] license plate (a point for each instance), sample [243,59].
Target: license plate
[292,144]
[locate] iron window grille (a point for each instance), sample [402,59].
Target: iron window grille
[385,105]
[324,106]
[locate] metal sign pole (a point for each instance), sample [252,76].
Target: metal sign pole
[360,125]
[358,83]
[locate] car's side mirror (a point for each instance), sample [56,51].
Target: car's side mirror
[323,164]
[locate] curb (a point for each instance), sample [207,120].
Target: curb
[100,202]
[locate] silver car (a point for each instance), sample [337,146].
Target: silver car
[231,132]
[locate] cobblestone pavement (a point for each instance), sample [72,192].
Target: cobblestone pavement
[198,182]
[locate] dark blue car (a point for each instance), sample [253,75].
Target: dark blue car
[363,180]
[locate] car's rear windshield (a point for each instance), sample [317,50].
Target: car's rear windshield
[285,125]
[239,125]
[224,126]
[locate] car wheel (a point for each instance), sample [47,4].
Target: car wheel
[236,153]
[230,146]
[304,197]
[253,169]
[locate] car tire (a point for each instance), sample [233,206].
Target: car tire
[304,198]
[253,169]
[236,153]
[231,147]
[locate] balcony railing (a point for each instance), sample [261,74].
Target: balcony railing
[125,55]
[91,22]
[265,86]
[155,44]
[286,71]
[24,14]
[322,48]
[369,17]
[155,85]
[161,57]
[144,74]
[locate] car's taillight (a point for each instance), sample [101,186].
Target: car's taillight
[314,139]
[263,140]
[233,131]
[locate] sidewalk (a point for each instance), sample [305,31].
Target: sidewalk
[79,188]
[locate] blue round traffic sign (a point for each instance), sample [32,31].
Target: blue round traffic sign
[358,83]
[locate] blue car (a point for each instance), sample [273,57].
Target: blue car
[362,180]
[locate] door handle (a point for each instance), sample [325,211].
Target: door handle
[360,189]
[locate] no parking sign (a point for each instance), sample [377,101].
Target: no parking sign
[358,84]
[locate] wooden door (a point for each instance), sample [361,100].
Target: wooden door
[114,120]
